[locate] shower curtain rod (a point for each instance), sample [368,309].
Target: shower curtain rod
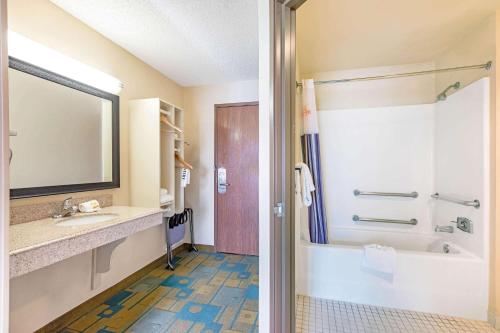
[486,66]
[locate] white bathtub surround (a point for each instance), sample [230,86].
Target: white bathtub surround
[452,284]
[441,147]
[37,244]
[386,149]
[379,258]
[462,164]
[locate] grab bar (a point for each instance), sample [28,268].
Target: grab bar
[475,203]
[356,218]
[386,194]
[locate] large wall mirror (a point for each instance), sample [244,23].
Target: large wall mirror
[64,134]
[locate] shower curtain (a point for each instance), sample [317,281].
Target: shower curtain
[311,157]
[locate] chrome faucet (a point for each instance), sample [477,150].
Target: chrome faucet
[442,228]
[67,209]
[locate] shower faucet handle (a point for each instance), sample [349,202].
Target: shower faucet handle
[463,224]
[442,228]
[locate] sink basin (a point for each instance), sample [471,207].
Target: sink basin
[85,220]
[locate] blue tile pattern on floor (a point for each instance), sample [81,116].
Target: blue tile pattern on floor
[154,320]
[208,292]
[118,298]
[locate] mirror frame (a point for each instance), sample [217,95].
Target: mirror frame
[27,192]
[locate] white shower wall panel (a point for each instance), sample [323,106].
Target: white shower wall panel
[442,147]
[387,149]
[462,163]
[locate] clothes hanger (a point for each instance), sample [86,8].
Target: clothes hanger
[179,159]
[165,120]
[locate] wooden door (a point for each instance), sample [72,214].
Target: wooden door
[237,197]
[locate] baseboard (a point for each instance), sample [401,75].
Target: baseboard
[494,320]
[63,321]
[206,248]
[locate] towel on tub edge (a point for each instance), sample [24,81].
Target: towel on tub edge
[379,258]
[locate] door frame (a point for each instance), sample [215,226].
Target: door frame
[283,87]
[4,172]
[224,105]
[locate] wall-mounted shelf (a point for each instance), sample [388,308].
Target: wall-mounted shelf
[155,127]
[166,113]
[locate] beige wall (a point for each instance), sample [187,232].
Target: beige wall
[199,131]
[41,296]
[47,24]
[476,47]
[379,93]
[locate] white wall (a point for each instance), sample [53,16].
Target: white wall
[199,132]
[385,149]
[265,143]
[462,162]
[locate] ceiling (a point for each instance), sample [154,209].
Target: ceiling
[195,42]
[348,34]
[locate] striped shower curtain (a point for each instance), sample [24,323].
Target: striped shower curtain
[311,156]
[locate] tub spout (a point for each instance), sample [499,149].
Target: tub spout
[442,228]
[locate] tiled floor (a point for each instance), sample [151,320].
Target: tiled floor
[316,315]
[208,292]
[211,292]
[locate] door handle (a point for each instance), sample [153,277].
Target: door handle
[222,183]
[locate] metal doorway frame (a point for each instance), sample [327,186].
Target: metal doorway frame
[283,85]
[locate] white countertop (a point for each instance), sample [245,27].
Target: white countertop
[37,244]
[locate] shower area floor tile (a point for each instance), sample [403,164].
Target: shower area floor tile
[316,315]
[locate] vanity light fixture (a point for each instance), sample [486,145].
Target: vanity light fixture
[41,56]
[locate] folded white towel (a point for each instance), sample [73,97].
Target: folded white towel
[379,258]
[89,206]
[306,184]
[164,198]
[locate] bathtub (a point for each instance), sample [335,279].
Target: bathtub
[426,278]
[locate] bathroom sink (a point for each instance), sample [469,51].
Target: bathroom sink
[85,220]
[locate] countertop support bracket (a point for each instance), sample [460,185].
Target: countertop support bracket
[101,260]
